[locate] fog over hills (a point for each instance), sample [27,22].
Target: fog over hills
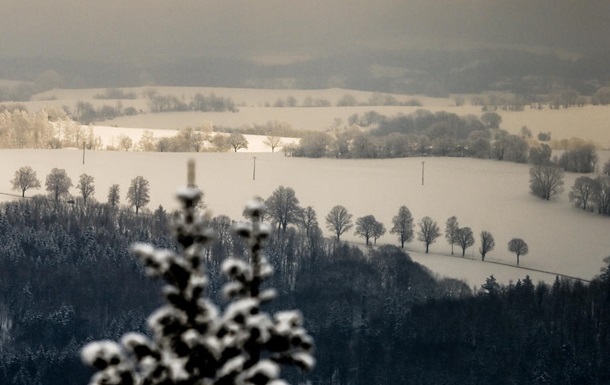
[390,45]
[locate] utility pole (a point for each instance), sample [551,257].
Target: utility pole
[254,169]
[422,173]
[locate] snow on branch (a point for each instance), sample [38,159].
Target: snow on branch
[193,341]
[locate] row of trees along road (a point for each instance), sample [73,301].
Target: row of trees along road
[58,184]
[284,209]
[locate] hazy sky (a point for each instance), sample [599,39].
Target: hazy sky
[132,30]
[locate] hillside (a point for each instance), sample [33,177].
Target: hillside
[259,106]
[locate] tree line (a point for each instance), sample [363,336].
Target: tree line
[53,128]
[376,316]
[48,128]
[284,209]
[424,133]
[58,185]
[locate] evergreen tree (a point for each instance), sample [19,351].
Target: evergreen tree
[192,340]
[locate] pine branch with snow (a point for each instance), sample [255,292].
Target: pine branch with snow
[193,341]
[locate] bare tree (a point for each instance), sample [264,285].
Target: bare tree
[283,207]
[273,142]
[583,191]
[138,194]
[365,227]
[237,141]
[546,181]
[113,195]
[518,246]
[451,228]
[339,220]
[58,183]
[402,225]
[85,186]
[464,238]
[378,231]
[487,244]
[308,219]
[428,231]
[25,179]
[601,196]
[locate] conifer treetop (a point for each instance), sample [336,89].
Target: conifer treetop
[193,341]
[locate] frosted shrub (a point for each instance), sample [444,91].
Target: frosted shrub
[193,341]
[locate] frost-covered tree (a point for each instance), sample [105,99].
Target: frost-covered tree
[237,141]
[273,142]
[25,179]
[192,340]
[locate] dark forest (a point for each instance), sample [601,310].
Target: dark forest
[67,278]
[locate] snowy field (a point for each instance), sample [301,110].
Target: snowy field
[483,194]
[110,137]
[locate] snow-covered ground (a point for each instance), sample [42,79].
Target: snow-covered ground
[110,137]
[483,194]
[589,122]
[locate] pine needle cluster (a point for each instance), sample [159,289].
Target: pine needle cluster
[192,340]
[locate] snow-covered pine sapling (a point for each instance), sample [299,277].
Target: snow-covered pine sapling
[193,341]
